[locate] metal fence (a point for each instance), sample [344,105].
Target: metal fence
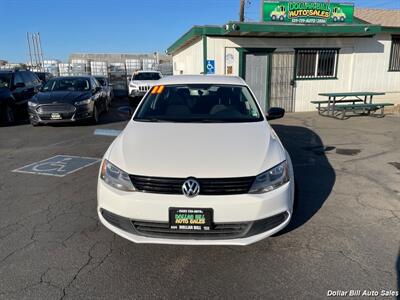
[119,73]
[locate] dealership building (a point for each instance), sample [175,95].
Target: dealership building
[298,50]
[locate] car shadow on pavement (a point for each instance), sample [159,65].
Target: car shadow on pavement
[314,176]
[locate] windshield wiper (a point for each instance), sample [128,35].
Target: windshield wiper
[209,121]
[152,120]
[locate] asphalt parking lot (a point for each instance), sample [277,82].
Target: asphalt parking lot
[345,234]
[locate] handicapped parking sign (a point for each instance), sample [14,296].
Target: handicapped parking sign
[210,66]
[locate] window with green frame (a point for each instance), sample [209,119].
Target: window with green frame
[394,63]
[316,63]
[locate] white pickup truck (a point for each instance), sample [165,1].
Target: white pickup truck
[142,81]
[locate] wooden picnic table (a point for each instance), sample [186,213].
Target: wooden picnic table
[337,98]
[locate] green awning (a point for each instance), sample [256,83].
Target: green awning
[237,29]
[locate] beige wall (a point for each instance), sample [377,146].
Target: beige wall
[189,60]
[362,66]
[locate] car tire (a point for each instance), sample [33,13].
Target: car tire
[9,115]
[95,117]
[34,123]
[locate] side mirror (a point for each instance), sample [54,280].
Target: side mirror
[97,89]
[275,113]
[20,85]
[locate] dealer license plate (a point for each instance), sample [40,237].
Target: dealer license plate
[55,116]
[190,219]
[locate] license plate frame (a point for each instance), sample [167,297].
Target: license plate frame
[55,116]
[191,219]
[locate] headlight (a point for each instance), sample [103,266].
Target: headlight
[116,177]
[83,102]
[133,86]
[271,179]
[32,104]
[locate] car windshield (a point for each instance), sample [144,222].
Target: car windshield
[101,80]
[5,80]
[199,103]
[146,76]
[67,84]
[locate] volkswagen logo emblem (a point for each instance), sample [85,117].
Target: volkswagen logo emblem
[191,188]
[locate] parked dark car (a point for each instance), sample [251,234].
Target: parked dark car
[68,99]
[44,76]
[107,88]
[16,88]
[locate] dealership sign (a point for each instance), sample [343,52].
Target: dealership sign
[307,12]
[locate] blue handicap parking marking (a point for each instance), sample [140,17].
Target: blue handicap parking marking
[210,66]
[59,165]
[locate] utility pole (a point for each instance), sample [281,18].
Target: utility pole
[241,11]
[35,50]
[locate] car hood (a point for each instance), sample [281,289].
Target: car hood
[192,149]
[61,97]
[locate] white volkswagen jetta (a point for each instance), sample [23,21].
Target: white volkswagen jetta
[197,164]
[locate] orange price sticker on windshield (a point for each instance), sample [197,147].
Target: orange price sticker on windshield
[158,89]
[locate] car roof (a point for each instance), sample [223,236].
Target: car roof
[13,71]
[201,79]
[73,77]
[147,71]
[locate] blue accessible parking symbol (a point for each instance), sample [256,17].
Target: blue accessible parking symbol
[59,165]
[211,66]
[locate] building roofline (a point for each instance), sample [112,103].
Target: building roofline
[264,29]
[193,33]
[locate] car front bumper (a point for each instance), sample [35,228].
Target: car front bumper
[73,114]
[137,93]
[125,213]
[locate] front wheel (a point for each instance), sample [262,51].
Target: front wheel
[9,115]
[95,117]
[34,123]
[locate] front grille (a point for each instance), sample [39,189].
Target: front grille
[218,231]
[208,186]
[56,108]
[144,88]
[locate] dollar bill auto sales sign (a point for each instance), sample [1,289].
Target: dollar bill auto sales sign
[307,12]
